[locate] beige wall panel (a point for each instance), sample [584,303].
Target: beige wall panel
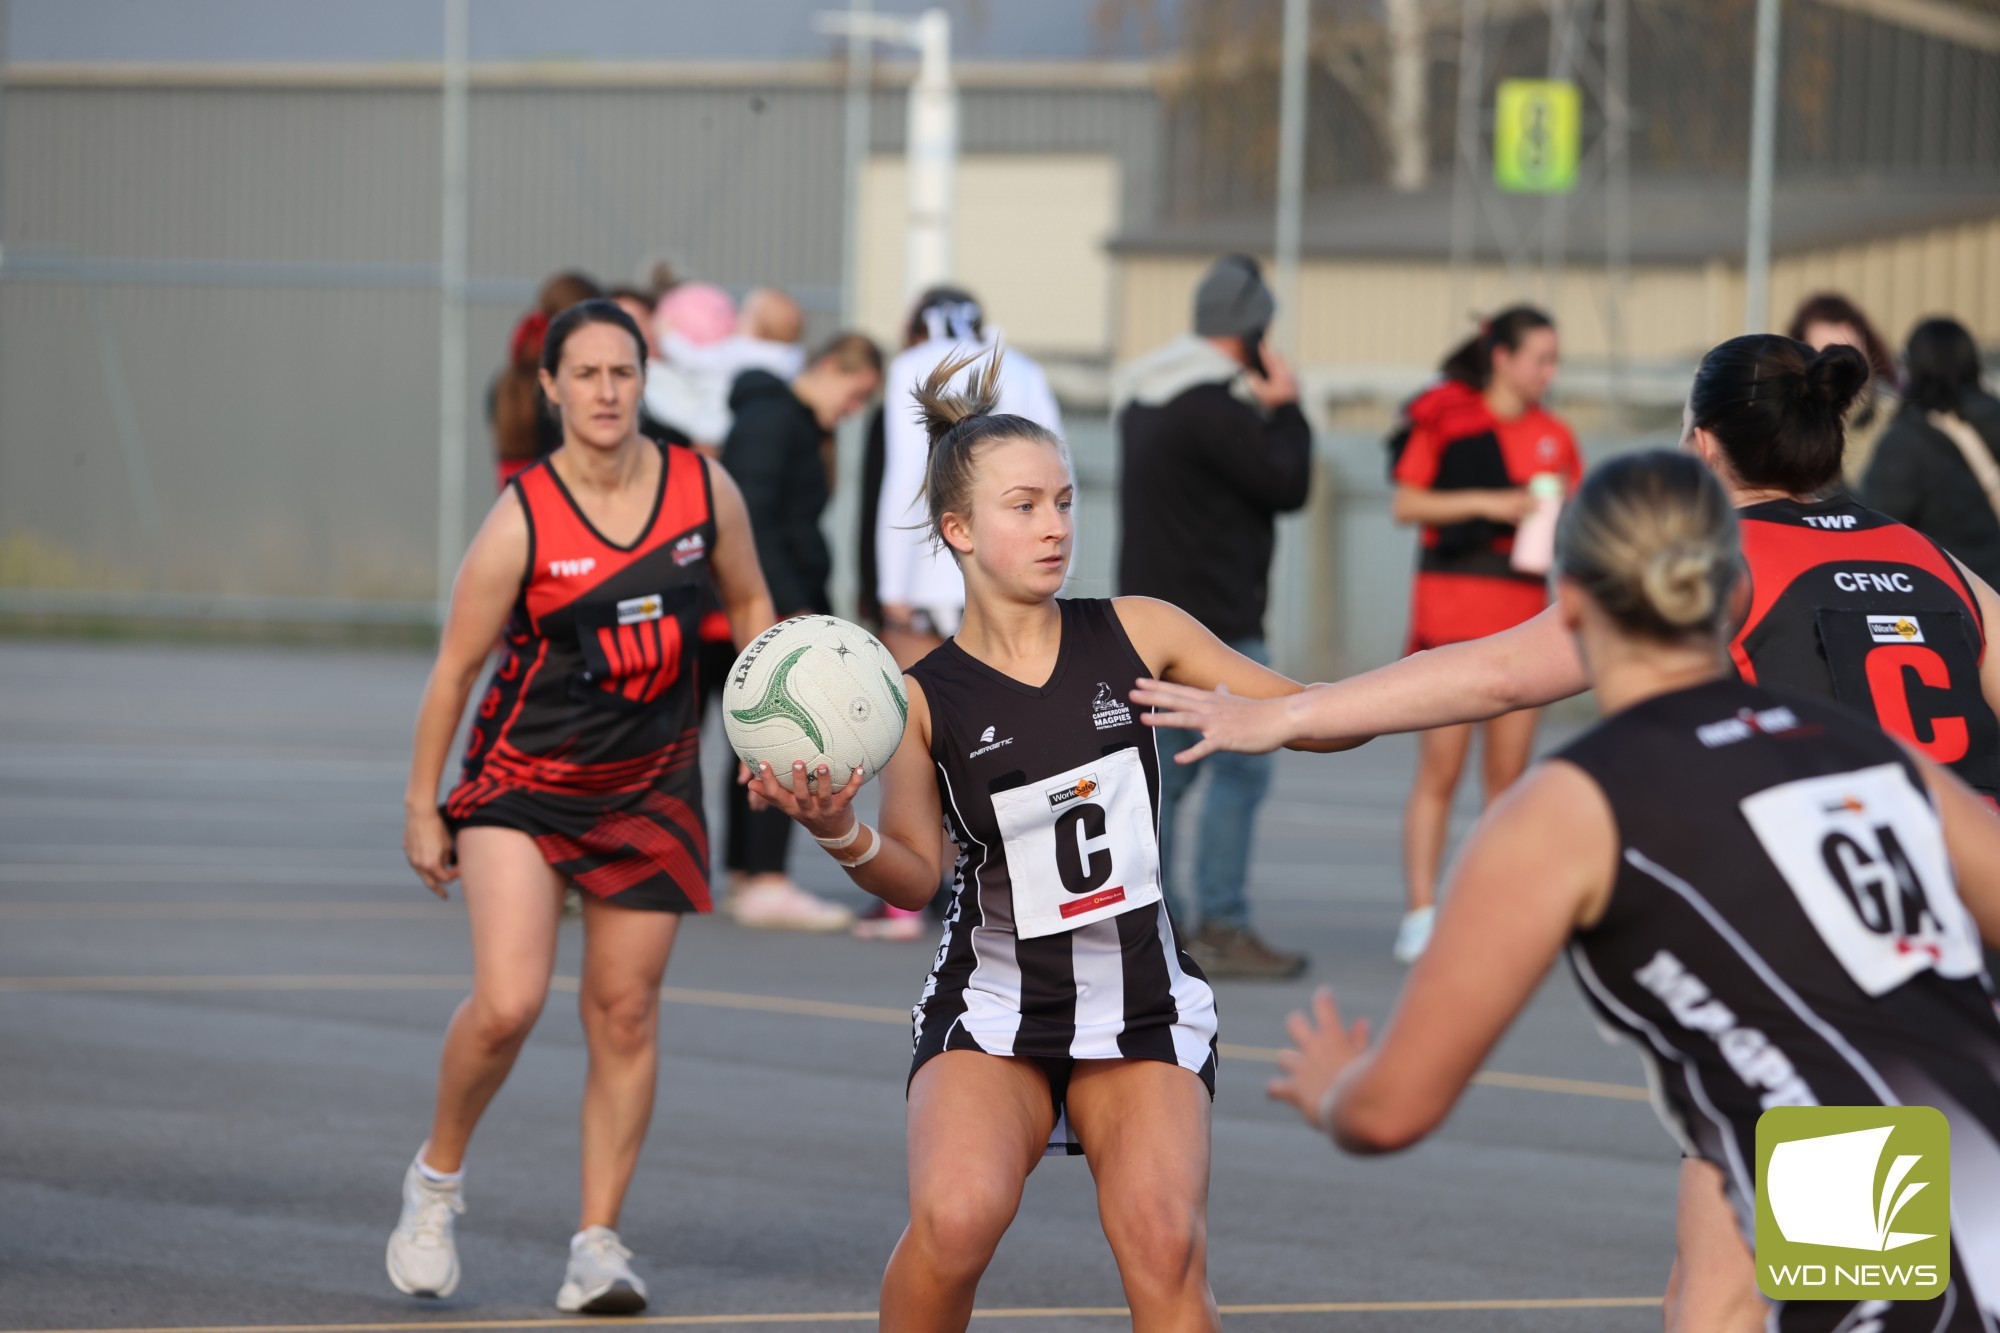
[1028,239]
[1366,312]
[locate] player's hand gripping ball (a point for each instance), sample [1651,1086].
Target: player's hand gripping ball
[817,689]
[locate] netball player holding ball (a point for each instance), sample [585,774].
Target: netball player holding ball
[1062,1014]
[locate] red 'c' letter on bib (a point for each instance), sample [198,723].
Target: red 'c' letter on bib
[1887,685]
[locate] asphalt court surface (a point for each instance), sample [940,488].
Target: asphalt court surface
[222,994]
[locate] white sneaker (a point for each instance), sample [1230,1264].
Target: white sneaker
[775,903]
[1414,935]
[422,1259]
[599,1280]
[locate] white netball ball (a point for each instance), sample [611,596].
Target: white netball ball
[818,689]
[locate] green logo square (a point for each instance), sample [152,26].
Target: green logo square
[1853,1203]
[1537,136]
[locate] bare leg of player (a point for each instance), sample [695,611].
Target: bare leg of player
[1713,1286]
[978,1125]
[1441,755]
[513,900]
[1144,1126]
[1504,750]
[624,956]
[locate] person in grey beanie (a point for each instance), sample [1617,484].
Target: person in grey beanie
[1213,448]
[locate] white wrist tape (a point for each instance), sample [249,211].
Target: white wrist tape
[844,840]
[874,846]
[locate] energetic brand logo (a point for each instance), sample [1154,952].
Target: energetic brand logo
[633,610]
[690,549]
[1835,521]
[1107,710]
[1082,789]
[564,569]
[987,744]
[1895,629]
[1853,1203]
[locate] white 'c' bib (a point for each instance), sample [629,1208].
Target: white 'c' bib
[1080,845]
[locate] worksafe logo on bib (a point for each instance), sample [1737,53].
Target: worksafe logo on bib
[1853,1203]
[1895,629]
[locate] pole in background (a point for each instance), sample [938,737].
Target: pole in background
[1291,172]
[932,155]
[3,129]
[860,79]
[1617,192]
[1763,154]
[930,148]
[451,314]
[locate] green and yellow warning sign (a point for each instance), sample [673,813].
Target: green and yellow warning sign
[1537,136]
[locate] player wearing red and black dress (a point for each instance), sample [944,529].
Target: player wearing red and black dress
[583,740]
[1469,448]
[581,768]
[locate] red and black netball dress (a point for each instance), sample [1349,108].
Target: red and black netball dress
[1466,586]
[1849,604]
[587,736]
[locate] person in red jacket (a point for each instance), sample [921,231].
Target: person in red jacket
[1464,462]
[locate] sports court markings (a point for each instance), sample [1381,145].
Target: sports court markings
[868,1316]
[711,999]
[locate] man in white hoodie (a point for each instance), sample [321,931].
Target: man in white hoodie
[918,585]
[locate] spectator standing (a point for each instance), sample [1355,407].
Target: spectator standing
[1465,458]
[523,427]
[1826,318]
[770,329]
[1937,467]
[1213,448]
[918,587]
[773,453]
[684,385]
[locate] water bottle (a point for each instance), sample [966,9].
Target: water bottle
[1535,539]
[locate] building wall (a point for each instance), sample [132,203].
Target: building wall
[1028,239]
[219,311]
[1363,313]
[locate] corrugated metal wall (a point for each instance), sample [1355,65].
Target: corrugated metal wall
[218,316]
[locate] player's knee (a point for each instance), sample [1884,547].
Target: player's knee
[1161,1243]
[958,1228]
[623,1022]
[502,1022]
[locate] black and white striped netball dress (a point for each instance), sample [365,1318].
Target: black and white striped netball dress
[1058,946]
[1785,931]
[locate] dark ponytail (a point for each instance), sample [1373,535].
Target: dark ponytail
[1778,409]
[519,420]
[1471,362]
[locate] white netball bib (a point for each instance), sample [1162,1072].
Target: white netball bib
[1080,845]
[1865,854]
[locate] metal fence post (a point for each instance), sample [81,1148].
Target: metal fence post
[451,314]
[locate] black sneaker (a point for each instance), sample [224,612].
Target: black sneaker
[1223,951]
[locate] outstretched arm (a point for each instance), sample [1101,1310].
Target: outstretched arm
[1539,865]
[1179,648]
[1534,663]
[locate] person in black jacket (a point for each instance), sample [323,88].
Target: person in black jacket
[1923,471]
[1213,448]
[774,454]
